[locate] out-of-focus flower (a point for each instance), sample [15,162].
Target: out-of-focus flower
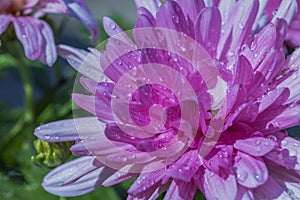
[229,143]
[34,33]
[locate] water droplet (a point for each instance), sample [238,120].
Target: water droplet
[211,174]
[258,142]
[275,11]
[253,45]
[23,36]
[180,170]
[259,175]
[255,55]
[123,159]
[175,19]
[47,137]
[112,25]
[241,25]
[242,175]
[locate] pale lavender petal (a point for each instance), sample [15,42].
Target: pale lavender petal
[273,99]
[80,149]
[66,130]
[76,177]
[88,84]
[145,19]
[181,190]
[5,21]
[226,188]
[250,172]
[208,29]
[255,146]
[244,72]
[151,5]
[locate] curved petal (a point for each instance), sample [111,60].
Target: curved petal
[67,130]
[251,172]
[181,190]
[76,177]
[5,21]
[255,146]
[151,5]
[226,188]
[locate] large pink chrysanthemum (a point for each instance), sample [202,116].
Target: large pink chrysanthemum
[222,132]
[34,33]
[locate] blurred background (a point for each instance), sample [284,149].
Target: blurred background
[22,168]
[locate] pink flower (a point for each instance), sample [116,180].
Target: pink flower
[218,79]
[34,33]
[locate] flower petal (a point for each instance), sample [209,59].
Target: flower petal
[251,172]
[208,29]
[67,130]
[270,190]
[151,5]
[244,193]
[76,177]
[226,188]
[185,167]
[191,8]
[5,21]
[181,190]
[255,146]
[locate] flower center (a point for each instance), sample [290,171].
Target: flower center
[14,7]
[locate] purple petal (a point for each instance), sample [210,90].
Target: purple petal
[208,29]
[76,177]
[5,21]
[145,19]
[191,8]
[226,188]
[181,190]
[237,28]
[67,130]
[185,168]
[151,5]
[265,42]
[146,182]
[244,72]
[255,146]
[288,155]
[273,99]
[171,16]
[251,172]
[244,193]
[88,84]
[287,10]
[270,190]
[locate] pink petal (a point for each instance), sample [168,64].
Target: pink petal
[273,99]
[118,177]
[181,190]
[146,183]
[216,187]
[255,146]
[251,172]
[185,167]
[237,28]
[85,102]
[88,84]
[208,29]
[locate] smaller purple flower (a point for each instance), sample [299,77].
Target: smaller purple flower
[34,33]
